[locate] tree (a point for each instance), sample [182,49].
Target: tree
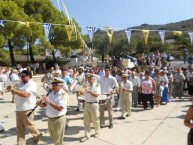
[9,10]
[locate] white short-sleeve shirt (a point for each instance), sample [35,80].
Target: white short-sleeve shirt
[58,98]
[95,88]
[26,103]
[127,85]
[108,84]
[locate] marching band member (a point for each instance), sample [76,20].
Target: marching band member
[126,96]
[56,109]
[97,77]
[25,102]
[48,76]
[14,78]
[108,87]
[80,78]
[91,108]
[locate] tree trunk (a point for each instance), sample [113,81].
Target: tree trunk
[11,52]
[31,54]
[53,55]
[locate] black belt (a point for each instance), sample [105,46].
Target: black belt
[91,102]
[56,117]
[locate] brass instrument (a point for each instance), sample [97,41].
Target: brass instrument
[9,88]
[47,86]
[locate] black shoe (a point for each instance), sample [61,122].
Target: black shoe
[77,109]
[101,126]
[111,126]
[127,115]
[66,127]
[122,117]
[2,131]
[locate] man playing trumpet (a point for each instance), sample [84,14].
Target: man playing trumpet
[25,102]
[91,108]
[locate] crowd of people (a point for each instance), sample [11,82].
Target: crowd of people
[97,89]
[132,87]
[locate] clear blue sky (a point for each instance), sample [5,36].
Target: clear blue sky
[127,13]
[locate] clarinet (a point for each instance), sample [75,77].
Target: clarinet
[37,104]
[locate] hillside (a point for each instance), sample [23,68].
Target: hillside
[186,25]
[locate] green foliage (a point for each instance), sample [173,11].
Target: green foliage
[4,57]
[38,12]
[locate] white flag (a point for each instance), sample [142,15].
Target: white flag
[162,35]
[47,30]
[191,37]
[128,33]
[91,31]
[1,23]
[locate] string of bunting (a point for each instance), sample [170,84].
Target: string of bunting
[91,30]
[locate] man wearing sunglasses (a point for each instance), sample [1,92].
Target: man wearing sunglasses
[25,102]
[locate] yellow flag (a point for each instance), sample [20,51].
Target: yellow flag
[145,35]
[177,33]
[69,31]
[110,33]
[74,30]
[24,23]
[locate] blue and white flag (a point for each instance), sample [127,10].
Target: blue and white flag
[128,34]
[162,35]
[1,23]
[91,31]
[46,27]
[191,37]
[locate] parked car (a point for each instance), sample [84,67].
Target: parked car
[79,58]
[132,59]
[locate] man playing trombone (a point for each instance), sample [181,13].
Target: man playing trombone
[56,108]
[25,102]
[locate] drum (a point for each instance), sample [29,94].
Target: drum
[81,99]
[102,99]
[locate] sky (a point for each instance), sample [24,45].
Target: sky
[121,14]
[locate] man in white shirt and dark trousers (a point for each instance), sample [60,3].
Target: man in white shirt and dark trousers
[56,109]
[91,108]
[108,87]
[25,102]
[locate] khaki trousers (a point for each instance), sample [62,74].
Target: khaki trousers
[110,111]
[24,122]
[126,103]
[91,114]
[56,128]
